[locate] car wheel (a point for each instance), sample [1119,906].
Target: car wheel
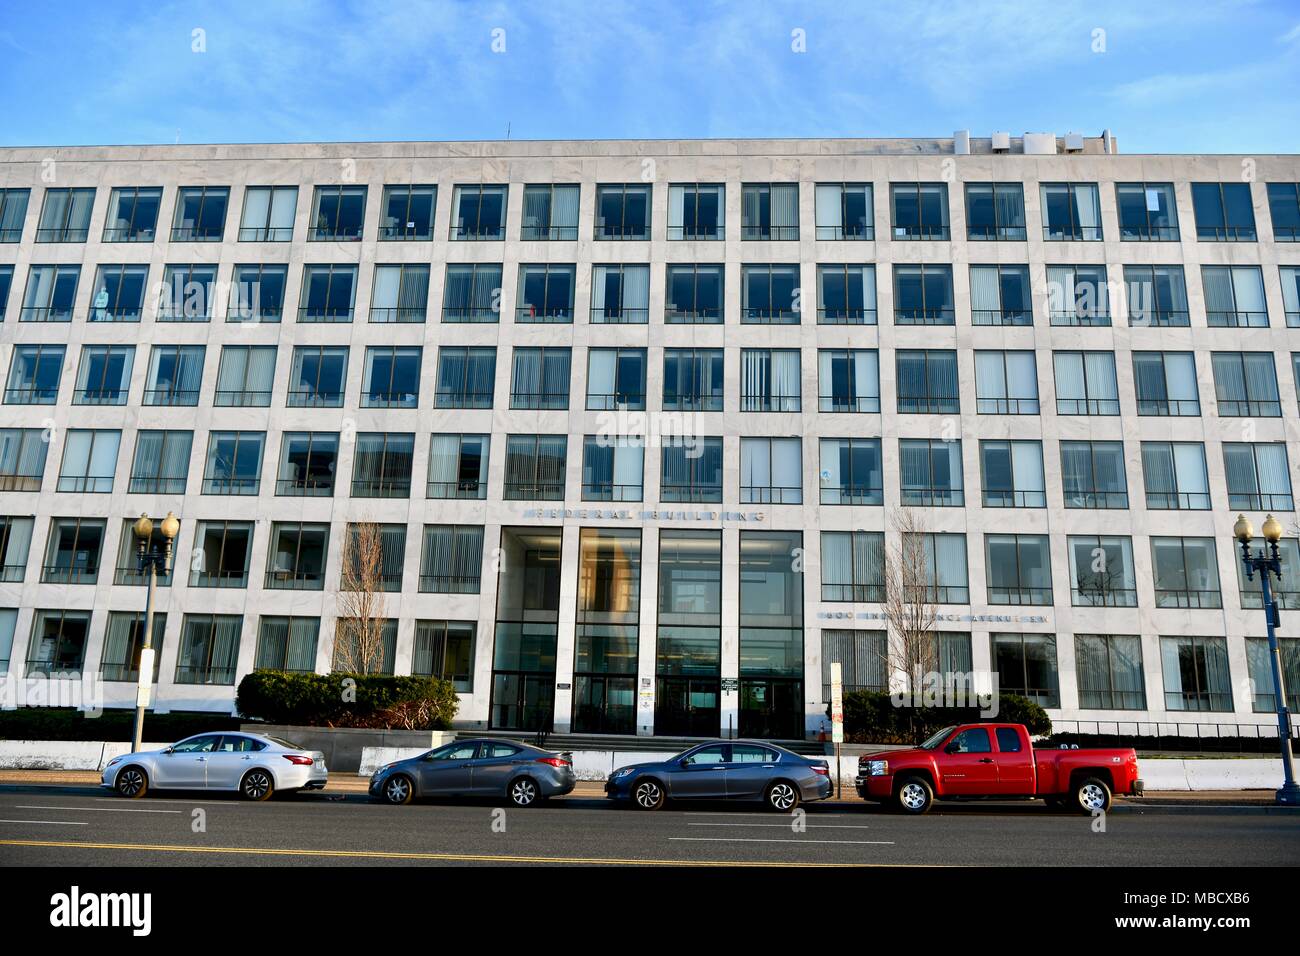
[648,795]
[257,785]
[782,796]
[131,782]
[914,795]
[398,789]
[1092,795]
[524,792]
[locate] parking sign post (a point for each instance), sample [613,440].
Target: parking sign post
[837,720]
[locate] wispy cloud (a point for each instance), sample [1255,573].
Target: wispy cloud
[428,69]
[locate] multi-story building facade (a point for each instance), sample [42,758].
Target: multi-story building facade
[641,423]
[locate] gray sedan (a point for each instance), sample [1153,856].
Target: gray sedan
[486,767]
[254,765]
[735,770]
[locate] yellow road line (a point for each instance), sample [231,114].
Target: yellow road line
[396,855]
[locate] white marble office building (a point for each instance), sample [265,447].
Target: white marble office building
[639,421]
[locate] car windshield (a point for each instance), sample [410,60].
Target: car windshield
[285,743]
[937,739]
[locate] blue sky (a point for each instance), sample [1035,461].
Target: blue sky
[1187,76]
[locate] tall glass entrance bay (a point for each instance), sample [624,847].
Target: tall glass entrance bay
[688,649]
[609,602]
[528,604]
[771,634]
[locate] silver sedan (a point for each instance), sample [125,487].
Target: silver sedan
[252,765]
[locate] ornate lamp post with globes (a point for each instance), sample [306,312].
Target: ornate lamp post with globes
[152,560]
[1267,560]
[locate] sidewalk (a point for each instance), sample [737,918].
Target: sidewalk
[594,789]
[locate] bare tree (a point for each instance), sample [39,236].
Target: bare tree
[1100,584]
[910,605]
[359,640]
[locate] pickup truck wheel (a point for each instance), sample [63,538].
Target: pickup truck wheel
[914,795]
[1092,795]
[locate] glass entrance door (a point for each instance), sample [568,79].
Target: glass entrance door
[687,707]
[604,704]
[522,701]
[771,708]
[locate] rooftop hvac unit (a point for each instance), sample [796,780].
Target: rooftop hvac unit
[1040,144]
[1001,142]
[961,142]
[1074,142]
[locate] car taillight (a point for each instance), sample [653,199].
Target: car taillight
[553,761]
[821,769]
[301,761]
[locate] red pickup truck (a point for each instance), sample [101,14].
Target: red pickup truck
[996,760]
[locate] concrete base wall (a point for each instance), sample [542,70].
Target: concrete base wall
[63,754]
[1245,774]
[343,746]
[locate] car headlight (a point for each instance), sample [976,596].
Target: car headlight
[620,774]
[113,761]
[878,768]
[382,770]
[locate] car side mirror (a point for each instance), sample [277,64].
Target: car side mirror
[169,750]
[685,761]
[952,748]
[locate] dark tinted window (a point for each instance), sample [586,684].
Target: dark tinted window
[241,745]
[972,741]
[1008,740]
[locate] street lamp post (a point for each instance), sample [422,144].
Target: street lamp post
[1264,562]
[151,560]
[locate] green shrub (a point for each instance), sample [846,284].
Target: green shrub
[870,717]
[50,723]
[347,700]
[1022,710]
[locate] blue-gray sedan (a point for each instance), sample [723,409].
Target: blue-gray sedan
[736,770]
[486,767]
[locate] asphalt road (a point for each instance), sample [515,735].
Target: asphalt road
[82,826]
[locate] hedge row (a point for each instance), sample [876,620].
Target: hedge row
[347,700]
[49,723]
[870,717]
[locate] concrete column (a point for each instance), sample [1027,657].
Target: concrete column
[647,633]
[564,641]
[729,700]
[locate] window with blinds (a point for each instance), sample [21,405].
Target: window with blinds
[268,214]
[162,462]
[209,648]
[287,644]
[769,211]
[451,559]
[400,293]
[472,293]
[381,464]
[458,466]
[245,376]
[535,466]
